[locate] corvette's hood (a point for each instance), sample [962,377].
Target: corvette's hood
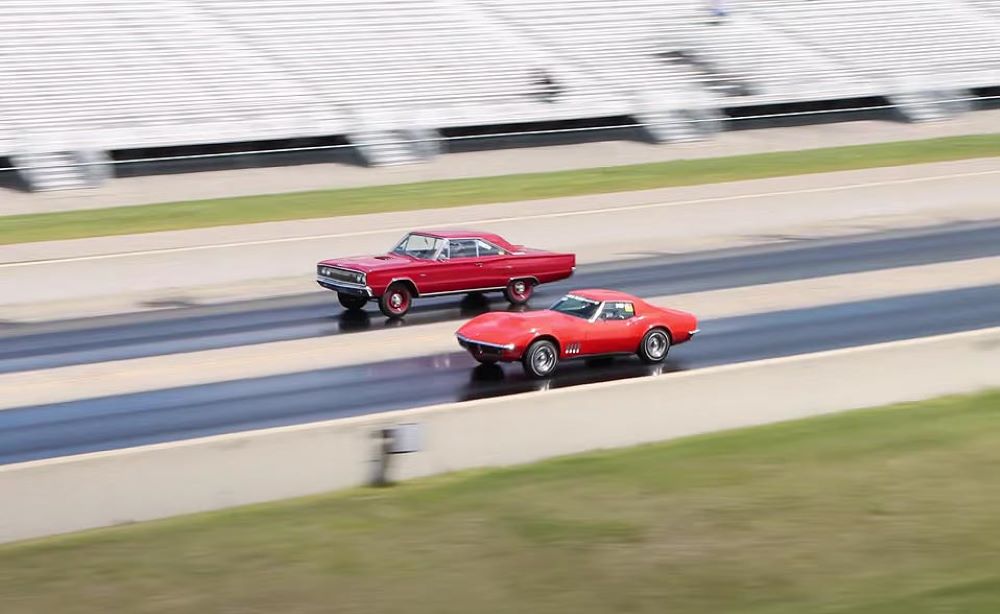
[504,327]
[367,264]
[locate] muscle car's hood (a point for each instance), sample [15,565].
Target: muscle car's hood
[504,327]
[367,264]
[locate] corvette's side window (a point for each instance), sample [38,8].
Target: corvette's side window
[462,248]
[617,310]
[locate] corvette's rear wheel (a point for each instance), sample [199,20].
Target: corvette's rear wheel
[540,359]
[519,291]
[350,301]
[396,301]
[654,346]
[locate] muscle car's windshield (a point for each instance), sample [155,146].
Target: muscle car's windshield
[576,306]
[418,246]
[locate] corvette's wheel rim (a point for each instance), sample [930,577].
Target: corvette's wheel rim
[656,345]
[543,360]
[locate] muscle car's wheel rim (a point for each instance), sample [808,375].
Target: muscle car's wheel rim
[656,345]
[543,360]
[519,291]
[396,301]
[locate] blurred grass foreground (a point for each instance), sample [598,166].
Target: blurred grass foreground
[506,188]
[886,511]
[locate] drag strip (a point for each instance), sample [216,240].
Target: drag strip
[316,314]
[180,413]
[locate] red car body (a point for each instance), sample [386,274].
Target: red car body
[582,324]
[436,263]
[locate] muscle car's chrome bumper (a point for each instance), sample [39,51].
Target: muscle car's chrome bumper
[694,332]
[345,287]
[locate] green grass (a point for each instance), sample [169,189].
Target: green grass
[887,511]
[437,194]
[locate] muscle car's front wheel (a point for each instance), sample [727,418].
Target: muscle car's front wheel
[540,359]
[518,291]
[395,302]
[349,301]
[654,346]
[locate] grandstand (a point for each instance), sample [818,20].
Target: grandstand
[85,77]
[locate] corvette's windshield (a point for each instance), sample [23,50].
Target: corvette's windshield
[576,306]
[418,246]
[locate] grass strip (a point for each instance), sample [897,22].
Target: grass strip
[506,188]
[885,511]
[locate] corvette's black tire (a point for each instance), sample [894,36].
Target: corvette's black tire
[654,346]
[351,301]
[540,359]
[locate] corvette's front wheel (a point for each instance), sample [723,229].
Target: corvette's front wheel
[540,359]
[654,346]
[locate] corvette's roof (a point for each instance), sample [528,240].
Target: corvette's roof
[598,294]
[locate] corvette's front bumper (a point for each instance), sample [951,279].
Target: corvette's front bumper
[483,349]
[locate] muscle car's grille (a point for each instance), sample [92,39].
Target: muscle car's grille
[342,275]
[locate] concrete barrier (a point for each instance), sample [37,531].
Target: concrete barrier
[93,490]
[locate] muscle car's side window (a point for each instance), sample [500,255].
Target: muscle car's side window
[617,310]
[488,249]
[462,248]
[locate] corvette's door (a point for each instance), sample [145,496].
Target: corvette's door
[614,331]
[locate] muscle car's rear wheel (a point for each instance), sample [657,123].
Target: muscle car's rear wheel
[654,346]
[540,359]
[395,302]
[518,291]
[350,301]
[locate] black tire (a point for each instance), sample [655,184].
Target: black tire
[655,346]
[351,301]
[519,291]
[540,359]
[395,302]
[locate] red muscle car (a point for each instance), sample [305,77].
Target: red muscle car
[435,263]
[582,324]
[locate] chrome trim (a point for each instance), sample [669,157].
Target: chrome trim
[343,284]
[485,344]
[364,275]
[451,292]
[692,333]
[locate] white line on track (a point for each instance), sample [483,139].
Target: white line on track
[498,220]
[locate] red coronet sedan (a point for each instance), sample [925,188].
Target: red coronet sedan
[582,324]
[436,263]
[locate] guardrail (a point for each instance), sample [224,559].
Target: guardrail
[102,489]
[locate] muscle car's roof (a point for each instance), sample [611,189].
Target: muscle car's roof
[465,234]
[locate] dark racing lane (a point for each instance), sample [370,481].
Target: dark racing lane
[165,415]
[40,346]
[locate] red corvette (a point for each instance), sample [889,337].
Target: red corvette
[582,324]
[436,263]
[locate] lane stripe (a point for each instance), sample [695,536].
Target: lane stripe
[497,220]
[135,375]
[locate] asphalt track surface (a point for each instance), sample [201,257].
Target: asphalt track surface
[316,313]
[165,415]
